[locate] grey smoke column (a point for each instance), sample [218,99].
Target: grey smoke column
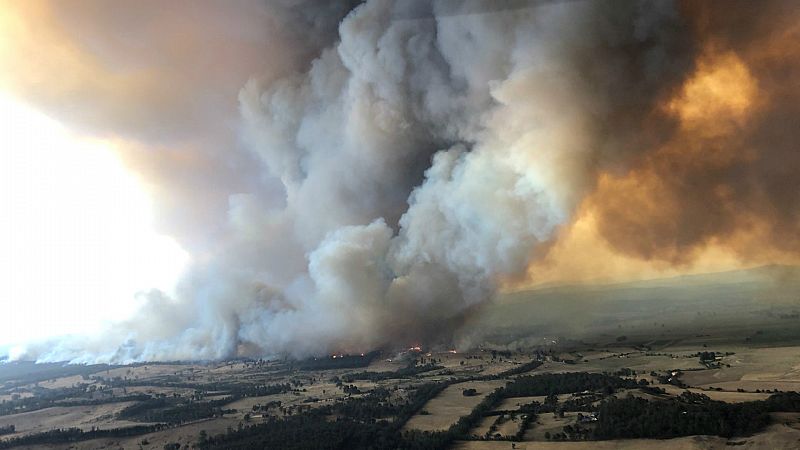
[426,152]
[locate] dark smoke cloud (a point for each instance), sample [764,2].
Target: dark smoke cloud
[405,158]
[728,175]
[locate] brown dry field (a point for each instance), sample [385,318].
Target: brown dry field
[626,358]
[722,396]
[750,368]
[184,435]
[245,405]
[483,426]
[510,404]
[450,405]
[147,371]
[549,423]
[64,382]
[84,417]
[765,368]
[510,425]
[152,390]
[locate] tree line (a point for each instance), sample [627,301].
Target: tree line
[404,372]
[65,435]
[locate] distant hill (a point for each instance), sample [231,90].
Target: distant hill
[769,274]
[774,279]
[31,372]
[676,301]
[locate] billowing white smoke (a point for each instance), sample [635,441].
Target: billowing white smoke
[424,154]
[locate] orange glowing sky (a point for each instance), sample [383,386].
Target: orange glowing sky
[712,109]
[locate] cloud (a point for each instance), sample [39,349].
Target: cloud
[399,161]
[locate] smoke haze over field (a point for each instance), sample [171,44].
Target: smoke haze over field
[352,175]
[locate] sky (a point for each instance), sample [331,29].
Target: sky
[201,179]
[78,241]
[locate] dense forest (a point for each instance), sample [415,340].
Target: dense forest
[173,411]
[566,383]
[688,414]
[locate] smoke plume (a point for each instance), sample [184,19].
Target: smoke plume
[404,159]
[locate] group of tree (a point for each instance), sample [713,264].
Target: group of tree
[337,362]
[522,368]
[378,404]
[314,431]
[689,414]
[706,357]
[174,410]
[461,429]
[66,435]
[370,407]
[404,372]
[361,423]
[79,395]
[266,406]
[566,383]
[230,388]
